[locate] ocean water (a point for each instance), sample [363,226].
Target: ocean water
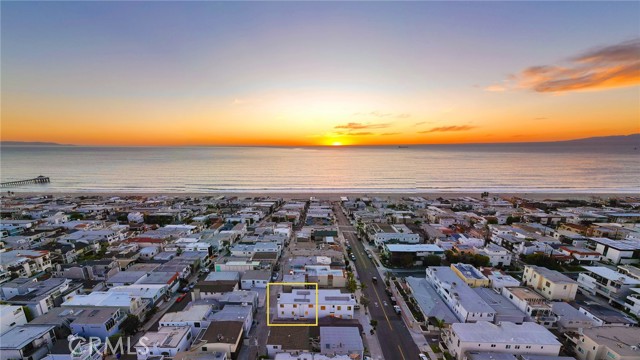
[557,167]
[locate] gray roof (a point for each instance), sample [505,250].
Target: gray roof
[617,338]
[256,275]
[429,301]
[552,275]
[127,277]
[340,340]
[505,309]
[567,312]
[485,355]
[233,312]
[223,275]
[19,336]
[506,332]
[471,301]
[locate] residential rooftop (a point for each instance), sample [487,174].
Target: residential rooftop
[552,275]
[618,338]
[611,274]
[506,332]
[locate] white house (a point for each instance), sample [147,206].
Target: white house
[381,233]
[301,304]
[608,283]
[498,256]
[167,341]
[196,317]
[11,316]
[461,299]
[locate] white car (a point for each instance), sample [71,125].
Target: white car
[423,357]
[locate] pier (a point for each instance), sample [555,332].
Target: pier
[39,180]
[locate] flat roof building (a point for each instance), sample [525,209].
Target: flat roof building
[527,338]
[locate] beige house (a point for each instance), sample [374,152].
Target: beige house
[608,342]
[550,283]
[224,337]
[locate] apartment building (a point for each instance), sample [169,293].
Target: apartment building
[381,233]
[550,283]
[32,342]
[607,283]
[11,316]
[300,304]
[608,342]
[506,337]
[24,263]
[536,306]
[461,299]
[498,256]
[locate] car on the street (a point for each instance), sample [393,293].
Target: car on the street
[423,357]
[181,297]
[191,286]
[397,309]
[274,277]
[374,279]
[385,303]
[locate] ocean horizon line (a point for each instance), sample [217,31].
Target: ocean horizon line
[633,136]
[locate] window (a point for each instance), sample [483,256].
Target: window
[507,346]
[323,307]
[348,307]
[517,346]
[310,306]
[493,345]
[295,306]
[281,305]
[196,324]
[204,348]
[339,307]
[547,284]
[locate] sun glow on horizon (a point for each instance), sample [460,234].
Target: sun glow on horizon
[336,143]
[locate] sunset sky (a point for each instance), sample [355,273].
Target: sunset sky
[305,73]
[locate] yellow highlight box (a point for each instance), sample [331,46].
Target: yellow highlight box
[289,284]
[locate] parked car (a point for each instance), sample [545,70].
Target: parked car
[374,279]
[423,357]
[275,276]
[397,309]
[181,297]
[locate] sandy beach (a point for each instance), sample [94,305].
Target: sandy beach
[337,196]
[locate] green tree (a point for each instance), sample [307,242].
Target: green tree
[27,313]
[364,301]
[76,216]
[130,325]
[432,260]
[352,284]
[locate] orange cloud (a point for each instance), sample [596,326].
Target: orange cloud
[602,68]
[360,126]
[448,129]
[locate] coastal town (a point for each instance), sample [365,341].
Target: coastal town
[369,277]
